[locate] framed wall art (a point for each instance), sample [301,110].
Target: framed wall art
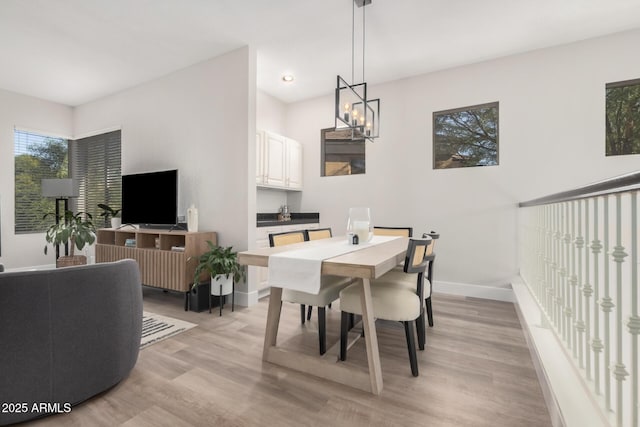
[466,137]
[622,118]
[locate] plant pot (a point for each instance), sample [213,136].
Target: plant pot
[224,281]
[70,261]
[116,222]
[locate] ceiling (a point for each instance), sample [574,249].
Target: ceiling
[76,51]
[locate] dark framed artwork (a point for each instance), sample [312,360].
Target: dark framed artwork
[622,118]
[466,137]
[340,154]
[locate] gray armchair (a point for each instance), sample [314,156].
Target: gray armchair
[67,334]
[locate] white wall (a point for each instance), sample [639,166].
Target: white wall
[551,139]
[36,115]
[200,120]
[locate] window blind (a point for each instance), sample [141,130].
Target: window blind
[95,163]
[36,157]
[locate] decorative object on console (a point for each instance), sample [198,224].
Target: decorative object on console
[78,229]
[109,212]
[192,218]
[353,109]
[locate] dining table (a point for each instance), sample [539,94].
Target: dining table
[362,263]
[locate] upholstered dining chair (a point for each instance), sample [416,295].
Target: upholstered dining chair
[393,299]
[318,233]
[393,231]
[330,288]
[428,281]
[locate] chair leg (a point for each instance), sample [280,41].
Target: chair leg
[411,346]
[352,320]
[309,312]
[429,311]
[302,313]
[420,328]
[344,334]
[322,330]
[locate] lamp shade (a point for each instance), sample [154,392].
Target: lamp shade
[60,188]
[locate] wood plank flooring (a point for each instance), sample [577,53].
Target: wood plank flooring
[475,371]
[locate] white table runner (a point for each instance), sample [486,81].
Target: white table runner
[300,269]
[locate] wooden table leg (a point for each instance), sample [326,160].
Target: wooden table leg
[273,320]
[371,339]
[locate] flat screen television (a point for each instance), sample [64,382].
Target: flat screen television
[150,198]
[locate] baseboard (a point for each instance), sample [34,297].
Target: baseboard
[475,291]
[245,299]
[567,396]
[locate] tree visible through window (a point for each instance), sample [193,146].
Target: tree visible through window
[623,118]
[36,157]
[466,137]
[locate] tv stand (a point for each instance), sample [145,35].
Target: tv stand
[167,259]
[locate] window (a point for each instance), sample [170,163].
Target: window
[95,163]
[465,137]
[36,157]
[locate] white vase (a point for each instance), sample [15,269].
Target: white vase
[226,282]
[192,219]
[116,222]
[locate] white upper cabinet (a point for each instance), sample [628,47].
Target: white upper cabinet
[278,161]
[260,172]
[293,164]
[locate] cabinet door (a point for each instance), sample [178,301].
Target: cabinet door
[260,154]
[274,146]
[294,164]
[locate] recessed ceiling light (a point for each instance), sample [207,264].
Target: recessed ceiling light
[287,78]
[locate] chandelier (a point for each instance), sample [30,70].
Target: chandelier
[354,110]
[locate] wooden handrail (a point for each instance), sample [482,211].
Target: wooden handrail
[613,185]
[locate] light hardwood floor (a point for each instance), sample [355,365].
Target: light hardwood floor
[475,371]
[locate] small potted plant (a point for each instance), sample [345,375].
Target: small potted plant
[222,265]
[109,212]
[77,229]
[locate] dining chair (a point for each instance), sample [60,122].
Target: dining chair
[431,257]
[393,231]
[318,233]
[330,288]
[393,300]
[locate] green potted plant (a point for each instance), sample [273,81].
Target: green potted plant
[222,265]
[76,229]
[109,212]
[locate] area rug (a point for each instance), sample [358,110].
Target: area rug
[156,328]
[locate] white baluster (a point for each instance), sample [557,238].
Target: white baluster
[633,323]
[573,280]
[587,291]
[549,264]
[606,304]
[580,323]
[568,327]
[618,370]
[596,342]
[558,267]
